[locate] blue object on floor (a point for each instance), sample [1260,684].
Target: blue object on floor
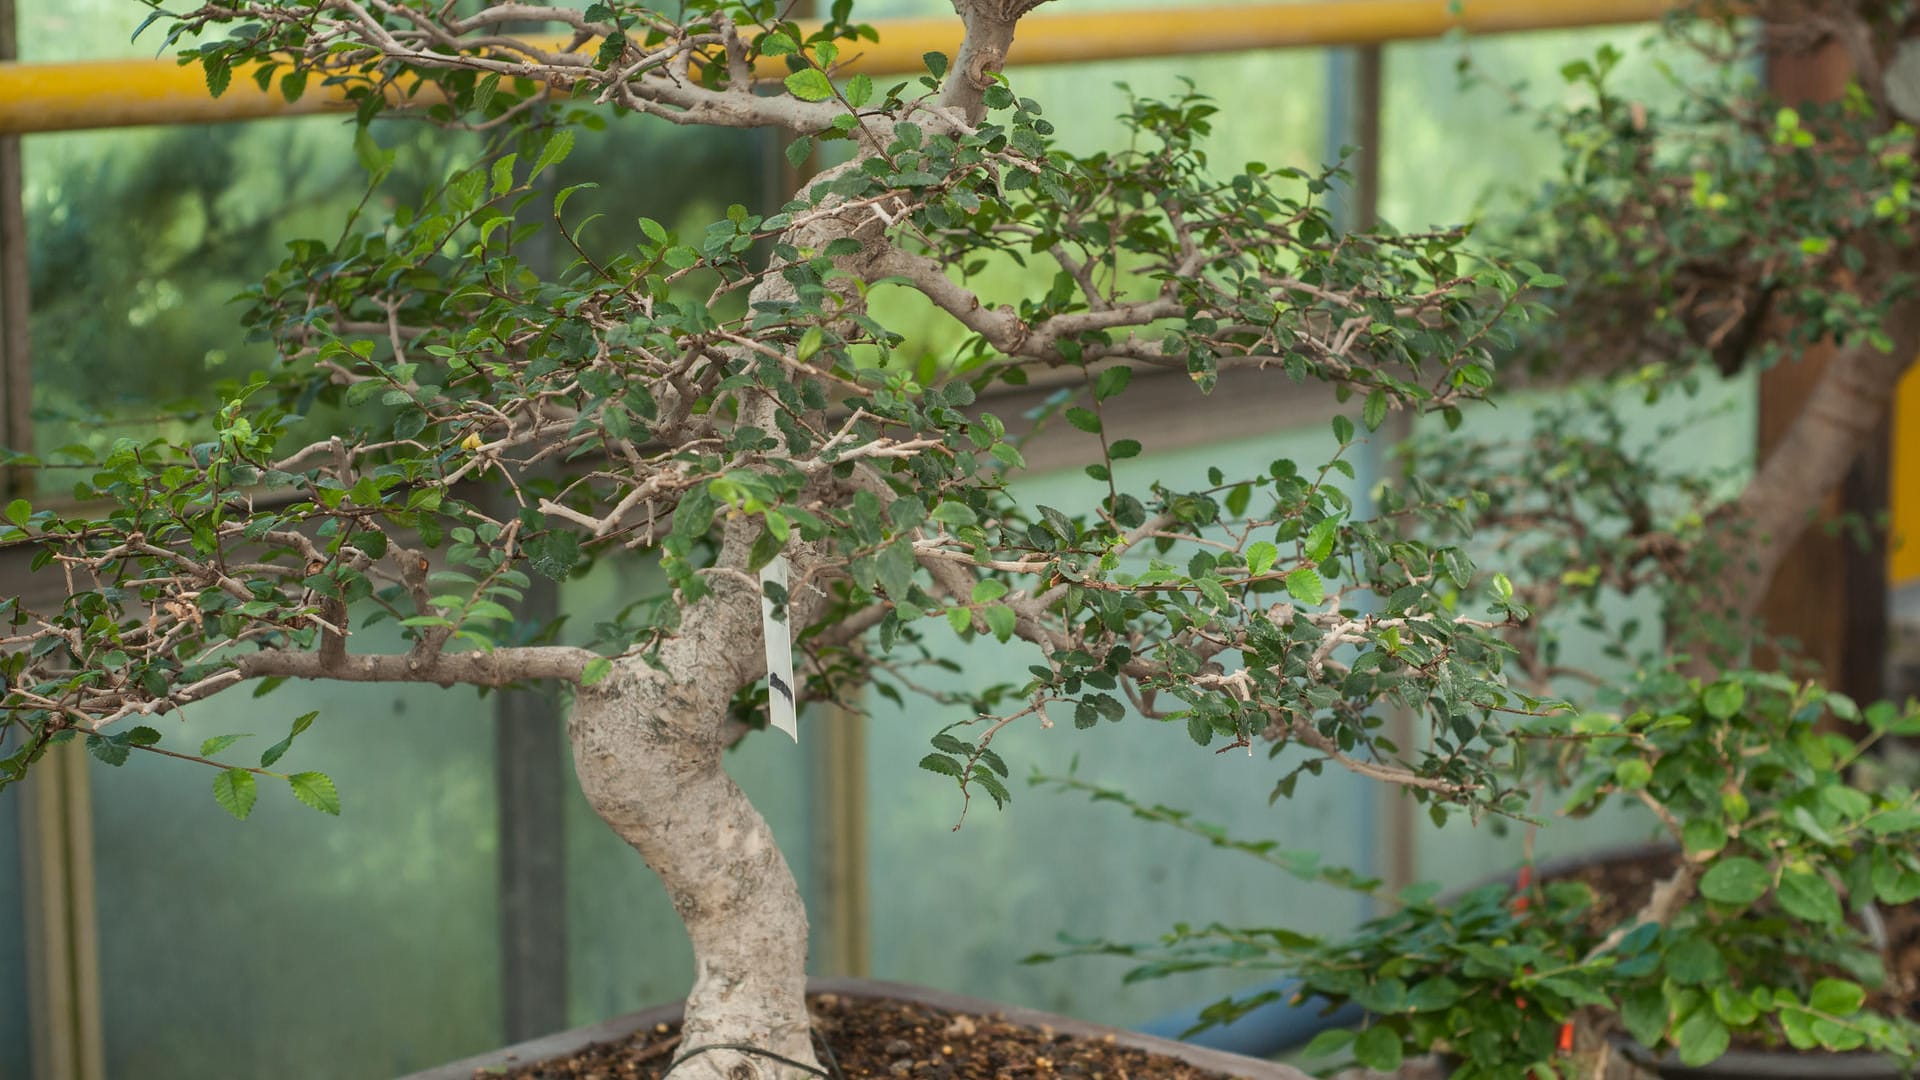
[1264,1032]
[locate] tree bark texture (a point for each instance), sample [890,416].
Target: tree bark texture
[647,746]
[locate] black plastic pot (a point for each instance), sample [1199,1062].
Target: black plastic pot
[1769,1065]
[568,1042]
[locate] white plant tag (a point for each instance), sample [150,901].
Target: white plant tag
[780,686]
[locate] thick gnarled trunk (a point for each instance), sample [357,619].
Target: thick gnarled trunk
[647,745]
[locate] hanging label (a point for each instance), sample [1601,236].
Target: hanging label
[781,706]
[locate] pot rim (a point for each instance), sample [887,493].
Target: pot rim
[566,1042]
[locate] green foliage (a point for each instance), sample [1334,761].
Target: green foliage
[1727,230]
[651,392]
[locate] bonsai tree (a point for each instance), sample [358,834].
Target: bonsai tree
[1722,232]
[729,405]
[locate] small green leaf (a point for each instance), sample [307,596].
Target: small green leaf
[1304,585]
[19,511]
[316,790]
[989,590]
[1810,896]
[1432,994]
[1261,557]
[1738,880]
[1694,961]
[1702,1038]
[1001,620]
[859,90]
[554,152]
[1703,838]
[956,514]
[1084,419]
[278,750]
[234,791]
[220,742]
[936,62]
[1632,774]
[1378,1048]
[810,84]
[1837,997]
[1723,699]
[1320,539]
[1645,1014]
[502,178]
[1328,1042]
[1374,412]
[597,669]
[1111,381]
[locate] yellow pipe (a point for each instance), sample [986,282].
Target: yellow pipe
[120,93]
[1903,562]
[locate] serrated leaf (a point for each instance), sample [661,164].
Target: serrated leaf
[554,152]
[1320,539]
[278,750]
[502,174]
[220,742]
[810,84]
[219,75]
[1261,557]
[1305,586]
[235,792]
[942,764]
[611,50]
[316,790]
[859,90]
[597,669]
[1001,620]
[1374,412]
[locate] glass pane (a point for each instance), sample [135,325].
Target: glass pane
[958,910]
[1450,155]
[13,945]
[294,944]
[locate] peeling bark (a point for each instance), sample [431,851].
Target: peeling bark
[647,745]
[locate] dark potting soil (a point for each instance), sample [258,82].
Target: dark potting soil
[874,1039]
[1621,887]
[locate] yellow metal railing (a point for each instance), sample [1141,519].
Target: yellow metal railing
[119,93]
